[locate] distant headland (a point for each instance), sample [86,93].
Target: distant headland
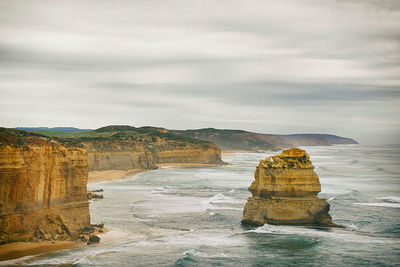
[225,139]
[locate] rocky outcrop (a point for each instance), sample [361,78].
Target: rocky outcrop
[43,193]
[285,192]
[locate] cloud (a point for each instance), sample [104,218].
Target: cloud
[268,66]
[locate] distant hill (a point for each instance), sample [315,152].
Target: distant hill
[243,140]
[225,139]
[53,129]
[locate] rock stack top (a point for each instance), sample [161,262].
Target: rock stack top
[288,174]
[291,158]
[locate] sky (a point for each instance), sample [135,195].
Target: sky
[276,67]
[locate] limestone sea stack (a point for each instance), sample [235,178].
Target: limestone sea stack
[285,192]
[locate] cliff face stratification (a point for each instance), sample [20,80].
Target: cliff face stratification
[43,193]
[127,147]
[285,192]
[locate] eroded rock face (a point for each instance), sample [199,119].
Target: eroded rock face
[125,155]
[285,192]
[43,193]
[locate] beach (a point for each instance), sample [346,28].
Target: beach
[110,175]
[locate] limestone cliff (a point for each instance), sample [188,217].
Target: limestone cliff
[127,147]
[285,192]
[43,193]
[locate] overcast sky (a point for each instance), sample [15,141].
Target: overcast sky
[266,66]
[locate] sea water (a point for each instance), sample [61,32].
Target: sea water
[191,216]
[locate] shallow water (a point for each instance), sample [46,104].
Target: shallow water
[191,216]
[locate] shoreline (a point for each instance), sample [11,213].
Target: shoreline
[110,175]
[18,250]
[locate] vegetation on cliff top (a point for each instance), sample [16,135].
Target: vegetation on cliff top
[24,138]
[149,136]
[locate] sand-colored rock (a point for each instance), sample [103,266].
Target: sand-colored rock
[43,193]
[126,155]
[285,191]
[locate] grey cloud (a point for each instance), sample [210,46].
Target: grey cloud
[267,66]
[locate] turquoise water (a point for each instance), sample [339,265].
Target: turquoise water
[191,216]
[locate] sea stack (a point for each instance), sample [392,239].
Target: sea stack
[285,192]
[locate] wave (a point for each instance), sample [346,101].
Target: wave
[220,198]
[213,202]
[351,226]
[338,234]
[199,254]
[165,190]
[214,207]
[386,205]
[18,261]
[390,199]
[353,194]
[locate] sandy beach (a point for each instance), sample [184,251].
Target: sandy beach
[109,175]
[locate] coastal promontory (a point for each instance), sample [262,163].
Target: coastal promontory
[285,191]
[43,193]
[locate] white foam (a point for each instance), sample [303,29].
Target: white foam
[164,190]
[331,198]
[16,261]
[200,254]
[351,226]
[215,207]
[220,198]
[386,205]
[391,199]
[338,234]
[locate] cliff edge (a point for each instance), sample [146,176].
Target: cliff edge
[285,191]
[43,193]
[121,147]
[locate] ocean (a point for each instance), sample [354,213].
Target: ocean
[191,216]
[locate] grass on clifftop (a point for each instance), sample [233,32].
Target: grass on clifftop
[122,132]
[22,138]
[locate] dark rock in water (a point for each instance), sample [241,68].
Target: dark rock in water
[93,239]
[100,225]
[92,195]
[98,190]
[285,192]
